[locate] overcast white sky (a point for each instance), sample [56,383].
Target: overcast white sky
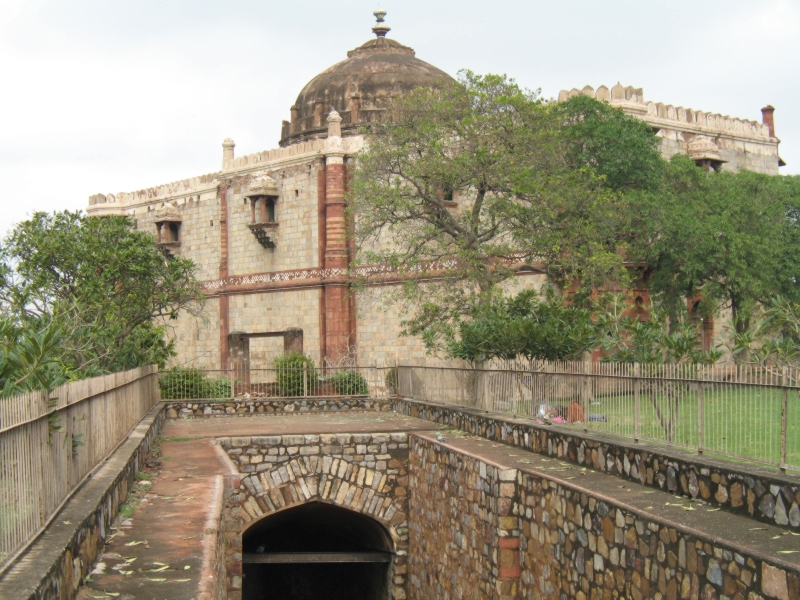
[111,95]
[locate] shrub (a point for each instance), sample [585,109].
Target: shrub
[182,384]
[391,380]
[349,383]
[191,384]
[218,388]
[290,369]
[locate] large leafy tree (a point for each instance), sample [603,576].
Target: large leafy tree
[526,325]
[86,295]
[619,148]
[460,183]
[729,237]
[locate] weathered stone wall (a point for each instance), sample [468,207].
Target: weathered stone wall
[378,331]
[366,473]
[278,311]
[743,143]
[758,493]
[216,408]
[199,230]
[197,337]
[296,237]
[504,533]
[460,526]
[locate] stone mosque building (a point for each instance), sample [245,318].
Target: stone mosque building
[267,230]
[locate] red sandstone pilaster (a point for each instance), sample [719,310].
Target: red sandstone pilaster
[321,233]
[337,302]
[224,322]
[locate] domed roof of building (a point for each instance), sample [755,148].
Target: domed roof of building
[359,87]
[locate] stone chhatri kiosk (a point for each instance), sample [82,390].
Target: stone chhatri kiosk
[268,229]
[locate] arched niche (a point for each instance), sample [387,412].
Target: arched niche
[317,550]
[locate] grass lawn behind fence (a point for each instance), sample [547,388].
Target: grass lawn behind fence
[733,423]
[743,422]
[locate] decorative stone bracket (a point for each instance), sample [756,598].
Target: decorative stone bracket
[264,233]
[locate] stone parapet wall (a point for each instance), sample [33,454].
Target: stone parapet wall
[743,143]
[744,489]
[224,408]
[463,536]
[365,473]
[56,563]
[530,537]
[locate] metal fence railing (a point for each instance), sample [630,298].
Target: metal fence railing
[50,443]
[193,384]
[749,412]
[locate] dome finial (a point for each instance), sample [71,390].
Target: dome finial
[380,29]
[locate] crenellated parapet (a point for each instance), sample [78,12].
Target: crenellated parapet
[742,143]
[632,100]
[120,203]
[126,203]
[260,159]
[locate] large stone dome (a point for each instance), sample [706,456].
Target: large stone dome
[359,87]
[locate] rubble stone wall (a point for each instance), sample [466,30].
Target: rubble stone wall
[757,493]
[503,533]
[220,408]
[460,526]
[365,473]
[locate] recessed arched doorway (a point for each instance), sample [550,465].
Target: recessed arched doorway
[316,550]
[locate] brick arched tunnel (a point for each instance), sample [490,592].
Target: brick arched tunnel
[316,550]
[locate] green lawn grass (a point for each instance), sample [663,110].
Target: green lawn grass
[734,423]
[743,422]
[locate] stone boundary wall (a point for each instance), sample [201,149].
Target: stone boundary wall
[365,473]
[744,489]
[463,537]
[55,565]
[551,540]
[225,408]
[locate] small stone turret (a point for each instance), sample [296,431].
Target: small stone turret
[227,150]
[768,118]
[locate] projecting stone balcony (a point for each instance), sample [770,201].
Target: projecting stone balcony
[265,233]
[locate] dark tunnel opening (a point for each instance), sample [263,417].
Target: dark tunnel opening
[316,551]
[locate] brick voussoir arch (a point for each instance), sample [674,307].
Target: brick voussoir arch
[365,473]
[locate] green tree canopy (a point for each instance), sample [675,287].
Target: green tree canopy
[525,325]
[621,149]
[728,236]
[461,183]
[97,286]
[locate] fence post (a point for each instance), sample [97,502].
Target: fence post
[784,410]
[586,392]
[700,409]
[233,384]
[305,380]
[637,386]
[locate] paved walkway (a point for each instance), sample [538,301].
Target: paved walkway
[166,550]
[308,423]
